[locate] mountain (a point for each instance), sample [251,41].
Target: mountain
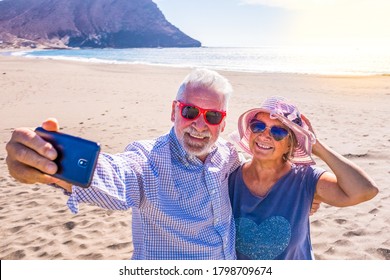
[88,24]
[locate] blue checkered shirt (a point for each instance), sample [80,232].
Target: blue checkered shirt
[180,205]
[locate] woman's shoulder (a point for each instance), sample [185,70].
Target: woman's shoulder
[307,171]
[305,168]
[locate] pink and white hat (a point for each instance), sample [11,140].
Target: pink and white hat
[281,109]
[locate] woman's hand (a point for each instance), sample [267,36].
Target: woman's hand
[315,145]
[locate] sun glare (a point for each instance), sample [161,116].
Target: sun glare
[359,23]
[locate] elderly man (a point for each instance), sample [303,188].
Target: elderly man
[176,185]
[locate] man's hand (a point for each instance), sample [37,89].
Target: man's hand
[315,206]
[30,158]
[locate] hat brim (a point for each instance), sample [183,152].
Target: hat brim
[305,138]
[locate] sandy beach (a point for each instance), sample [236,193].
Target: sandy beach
[118,104]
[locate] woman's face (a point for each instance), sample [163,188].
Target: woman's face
[263,145]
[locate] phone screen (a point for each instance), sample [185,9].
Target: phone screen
[77,157]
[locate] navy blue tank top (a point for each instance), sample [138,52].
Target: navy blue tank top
[277,225]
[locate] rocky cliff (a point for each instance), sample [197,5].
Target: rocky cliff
[88,23]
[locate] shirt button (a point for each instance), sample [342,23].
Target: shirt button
[216,220]
[213,191]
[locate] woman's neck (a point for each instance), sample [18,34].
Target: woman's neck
[260,177]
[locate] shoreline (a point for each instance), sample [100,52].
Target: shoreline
[94,60]
[118,104]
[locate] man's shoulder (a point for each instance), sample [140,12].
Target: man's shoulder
[228,154]
[147,146]
[225,145]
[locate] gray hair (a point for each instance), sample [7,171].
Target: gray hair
[208,80]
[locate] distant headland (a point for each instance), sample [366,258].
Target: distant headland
[87,24]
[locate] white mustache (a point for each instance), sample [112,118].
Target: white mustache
[195,133]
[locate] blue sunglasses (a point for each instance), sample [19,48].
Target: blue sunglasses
[277,132]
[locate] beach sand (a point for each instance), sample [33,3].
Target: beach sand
[117,104]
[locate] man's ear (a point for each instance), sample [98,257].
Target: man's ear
[223,124]
[173,111]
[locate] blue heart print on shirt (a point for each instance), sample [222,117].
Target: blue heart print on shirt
[264,241]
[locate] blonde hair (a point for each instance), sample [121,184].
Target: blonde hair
[293,144]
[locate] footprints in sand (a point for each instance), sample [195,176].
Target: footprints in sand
[17,255]
[384,252]
[343,242]
[74,246]
[374,211]
[38,225]
[341,221]
[119,245]
[352,233]
[15,229]
[91,256]
[105,113]
[70,225]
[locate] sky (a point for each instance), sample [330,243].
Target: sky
[281,22]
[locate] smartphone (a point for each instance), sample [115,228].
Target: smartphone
[77,157]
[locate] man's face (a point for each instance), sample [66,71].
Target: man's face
[197,136]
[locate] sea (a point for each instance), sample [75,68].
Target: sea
[322,60]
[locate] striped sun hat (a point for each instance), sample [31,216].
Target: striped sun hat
[281,109]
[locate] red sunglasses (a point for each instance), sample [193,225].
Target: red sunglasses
[192,112]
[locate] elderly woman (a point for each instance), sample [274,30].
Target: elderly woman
[272,194]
